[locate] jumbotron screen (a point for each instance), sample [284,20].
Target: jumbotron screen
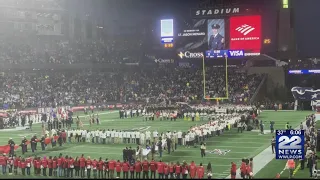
[235,36]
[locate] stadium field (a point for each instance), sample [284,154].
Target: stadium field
[237,145]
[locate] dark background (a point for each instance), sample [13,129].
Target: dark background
[307,27]
[142,17]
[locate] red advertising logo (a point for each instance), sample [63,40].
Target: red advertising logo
[245,33]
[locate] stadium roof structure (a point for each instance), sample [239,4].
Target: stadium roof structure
[263,57]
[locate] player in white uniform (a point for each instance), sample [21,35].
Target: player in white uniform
[179,134]
[187,139]
[112,134]
[137,137]
[133,137]
[120,137]
[148,137]
[142,138]
[155,135]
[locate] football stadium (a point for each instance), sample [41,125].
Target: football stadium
[109,89]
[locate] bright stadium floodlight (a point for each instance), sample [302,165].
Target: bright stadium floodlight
[285,4]
[204,81]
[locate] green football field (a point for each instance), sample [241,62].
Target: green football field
[246,144]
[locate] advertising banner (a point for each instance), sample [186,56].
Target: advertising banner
[245,33]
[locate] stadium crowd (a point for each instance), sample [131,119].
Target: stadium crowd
[67,52]
[51,89]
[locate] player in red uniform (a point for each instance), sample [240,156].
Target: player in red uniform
[89,166]
[65,166]
[112,164]
[145,168]
[15,164]
[200,171]
[166,170]
[60,165]
[160,168]
[3,163]
[38,164]
[138,169]
[243,169]
[76,167]
[10,164]
[118,168]
[23,167]
[185,170]
[28,165]
[125,170]
[177,170]
[82,163]
[44,165]
[35,169]
[50,166]
[106,168]
[19,164]
[171,169]
[70,167]
[153,168]
[55,166]
[193,170]
[100,168]
[131,169]
[95,168]
[233,170]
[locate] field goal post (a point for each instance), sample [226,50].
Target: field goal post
[204,81]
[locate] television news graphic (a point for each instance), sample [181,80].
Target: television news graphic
[290,144]
[245,33]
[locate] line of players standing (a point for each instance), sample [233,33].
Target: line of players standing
[123,113]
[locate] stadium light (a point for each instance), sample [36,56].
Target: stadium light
[285,4]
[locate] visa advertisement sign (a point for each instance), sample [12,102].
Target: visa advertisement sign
[225,53]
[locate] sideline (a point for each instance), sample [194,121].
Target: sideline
[24,128]
[261,160]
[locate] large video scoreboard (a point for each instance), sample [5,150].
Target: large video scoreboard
[215,33]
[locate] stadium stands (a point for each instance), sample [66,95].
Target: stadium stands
[42,89]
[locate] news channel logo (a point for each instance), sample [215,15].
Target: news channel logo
[289,144]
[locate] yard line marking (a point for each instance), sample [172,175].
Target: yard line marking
[178,150]
[99,153]
[251,147]
[221,174]
[251,134]
[258,138]
[296,170]
[237,142]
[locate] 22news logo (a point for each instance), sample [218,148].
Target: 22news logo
[290,147]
